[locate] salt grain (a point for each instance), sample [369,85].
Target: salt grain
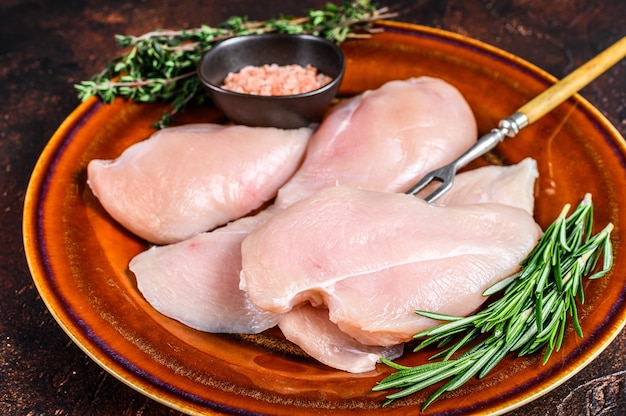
[275,80]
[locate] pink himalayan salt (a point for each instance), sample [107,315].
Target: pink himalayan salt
[275,80]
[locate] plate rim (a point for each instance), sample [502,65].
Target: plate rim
[62,136]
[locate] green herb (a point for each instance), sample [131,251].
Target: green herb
[531,313]
[160,66]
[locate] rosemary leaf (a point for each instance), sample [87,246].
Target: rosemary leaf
[447,353]
[501,285]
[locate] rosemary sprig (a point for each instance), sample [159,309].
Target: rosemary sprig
[530,315]
[160,66]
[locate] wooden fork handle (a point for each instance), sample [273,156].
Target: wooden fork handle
[568,86]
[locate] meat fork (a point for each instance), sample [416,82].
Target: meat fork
[525,115]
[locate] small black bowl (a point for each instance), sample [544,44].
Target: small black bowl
[282,111]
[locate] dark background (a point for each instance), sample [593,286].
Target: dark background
[47,46]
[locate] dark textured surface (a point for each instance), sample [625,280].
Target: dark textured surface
[46,47]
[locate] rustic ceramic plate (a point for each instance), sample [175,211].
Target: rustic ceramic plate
[78,255]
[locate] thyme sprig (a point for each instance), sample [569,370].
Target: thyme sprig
[530,315]
[160,66]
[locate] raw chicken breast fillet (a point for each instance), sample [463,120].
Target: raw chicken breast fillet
[196,281]
[509,185]
[189,179]
[372,258]
[385,139]
[382,139]
[310,328]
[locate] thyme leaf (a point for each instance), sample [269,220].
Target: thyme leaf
[531,314]
[160,66]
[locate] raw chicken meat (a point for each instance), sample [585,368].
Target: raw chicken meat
[323,339]
[204,272]
[311,329]
[196,281]
[189,179]
[509,185]
[372,258]
[363,142]
[385,139]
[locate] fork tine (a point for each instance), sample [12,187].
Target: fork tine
[422,183]
[444,174]
[441,189]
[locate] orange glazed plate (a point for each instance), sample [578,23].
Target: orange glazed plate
[78,255]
